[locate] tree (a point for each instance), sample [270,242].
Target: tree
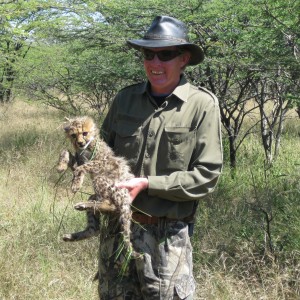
[11,49]
[72,79]
[95,61]
[277,81]
[78,61]
[242,66]
[220,27]
[17,25]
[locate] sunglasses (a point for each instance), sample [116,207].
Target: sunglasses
[163,55]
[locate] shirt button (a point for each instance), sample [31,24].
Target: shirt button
[173,156]
[151,134]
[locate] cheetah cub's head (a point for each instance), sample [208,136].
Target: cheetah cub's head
[81,131]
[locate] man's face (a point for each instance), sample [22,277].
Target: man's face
[164,76]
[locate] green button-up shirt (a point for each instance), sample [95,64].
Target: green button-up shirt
[176,146]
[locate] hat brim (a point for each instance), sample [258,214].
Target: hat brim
[197,54]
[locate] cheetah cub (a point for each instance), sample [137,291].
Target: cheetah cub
[94,156]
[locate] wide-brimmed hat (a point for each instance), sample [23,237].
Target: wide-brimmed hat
[167,32]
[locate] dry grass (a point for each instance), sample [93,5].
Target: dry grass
[36,264]
[269,282]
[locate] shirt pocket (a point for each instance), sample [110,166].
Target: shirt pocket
[127,141]
[180,142]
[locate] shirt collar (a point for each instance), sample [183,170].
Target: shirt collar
[181,91]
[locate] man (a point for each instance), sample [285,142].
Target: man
[169,131]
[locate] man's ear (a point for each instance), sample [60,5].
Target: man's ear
[186,56]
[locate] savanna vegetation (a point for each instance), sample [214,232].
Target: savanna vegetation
[64,58]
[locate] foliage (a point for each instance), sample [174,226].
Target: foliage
[18,22]
[239,62]
[72,79]
[93,61]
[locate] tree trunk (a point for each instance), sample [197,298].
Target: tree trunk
[232,152]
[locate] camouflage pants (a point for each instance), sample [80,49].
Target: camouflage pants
[163,273]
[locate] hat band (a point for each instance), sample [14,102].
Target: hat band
[163,37]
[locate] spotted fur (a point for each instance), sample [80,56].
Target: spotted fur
[95,157]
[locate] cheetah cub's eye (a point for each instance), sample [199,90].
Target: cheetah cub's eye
[85,133]
[73,135]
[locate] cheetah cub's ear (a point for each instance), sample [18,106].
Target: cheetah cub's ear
[67,128]
[67,124]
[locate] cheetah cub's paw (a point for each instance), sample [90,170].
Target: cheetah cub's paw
[83,206]
[68,237]
[77,180]
[75,186]
[64,159]
[103,206]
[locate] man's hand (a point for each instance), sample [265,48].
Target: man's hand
[134,186]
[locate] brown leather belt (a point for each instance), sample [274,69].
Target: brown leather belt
[144,219]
